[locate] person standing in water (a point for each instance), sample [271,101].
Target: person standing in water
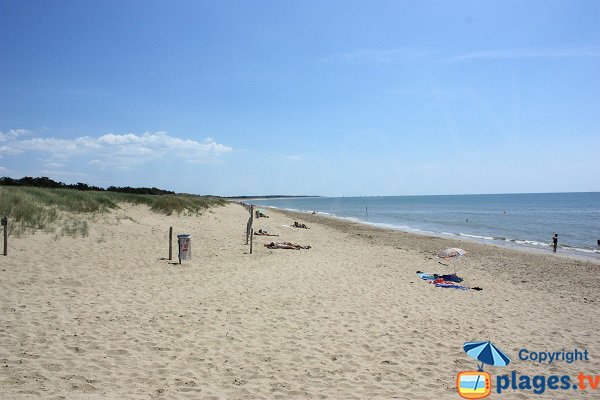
[555,241]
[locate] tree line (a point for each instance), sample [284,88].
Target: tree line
[46,182]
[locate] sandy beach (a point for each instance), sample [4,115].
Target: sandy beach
[109,317]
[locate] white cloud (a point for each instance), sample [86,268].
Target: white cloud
[58,146]
[8,150]
[13,134]
[119,139]
[375,56]
[63,174]
[558,52]
[117,149]
[394,55]
[51,165]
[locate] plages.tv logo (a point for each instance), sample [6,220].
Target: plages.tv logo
[478,384]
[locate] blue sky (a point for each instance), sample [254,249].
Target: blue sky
[303,97]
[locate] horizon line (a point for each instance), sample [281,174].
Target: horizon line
[399,195]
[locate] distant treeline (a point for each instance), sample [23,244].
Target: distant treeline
[49,183]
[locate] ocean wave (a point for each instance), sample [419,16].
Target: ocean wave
[529,242]
[476,236]
[395,227]
[592,251]
[588,250]
[468,236]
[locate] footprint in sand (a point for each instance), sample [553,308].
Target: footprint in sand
[117,352]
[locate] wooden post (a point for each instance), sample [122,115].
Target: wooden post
[5,225]
[247,230]
[250,221]
[251,239]
[179,250]
[170,243]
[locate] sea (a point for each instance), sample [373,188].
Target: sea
[526,221]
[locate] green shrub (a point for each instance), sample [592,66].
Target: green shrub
[72,226]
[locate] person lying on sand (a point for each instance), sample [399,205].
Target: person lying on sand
[263,233]
[286,245]
[447,277]
[261,215]
[452,285]
[445,281]
[297,225]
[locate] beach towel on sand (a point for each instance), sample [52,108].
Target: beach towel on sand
[441,281]
[449,285]
[431,277]
[426,277]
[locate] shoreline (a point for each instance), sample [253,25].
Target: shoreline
[565,252]
[109,316]
[497,261]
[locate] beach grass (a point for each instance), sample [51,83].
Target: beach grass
[64,210]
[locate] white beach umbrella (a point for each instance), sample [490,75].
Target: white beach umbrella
[453,252]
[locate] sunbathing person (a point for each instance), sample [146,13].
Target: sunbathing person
[447,277]
[263,233]
[297,225]
[286,245]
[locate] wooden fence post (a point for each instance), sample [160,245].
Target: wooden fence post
[247,230]
[251,239]
[251,219]
[5,225]
[250,209]
[170,243]
[179,249]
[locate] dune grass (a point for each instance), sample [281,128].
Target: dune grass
[63,210]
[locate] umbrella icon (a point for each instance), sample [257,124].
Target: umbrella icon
[487,353]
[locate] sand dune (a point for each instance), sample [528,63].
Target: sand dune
[107,316]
